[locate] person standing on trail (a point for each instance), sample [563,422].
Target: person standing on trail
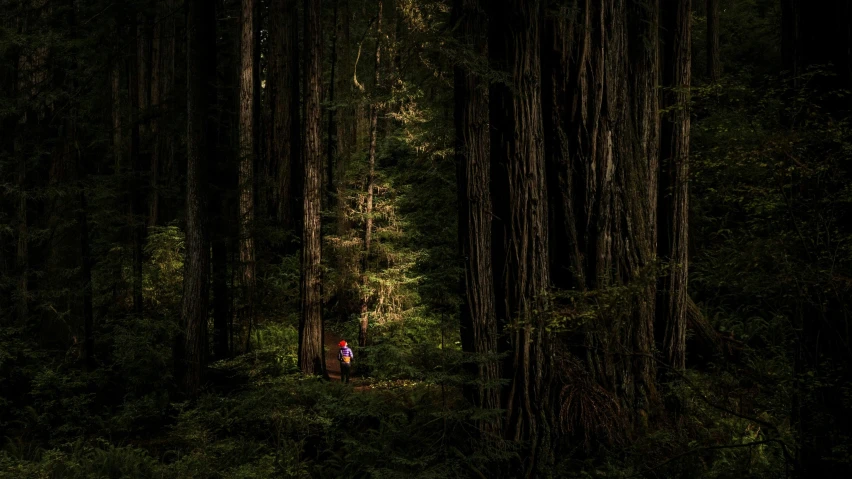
[345,357]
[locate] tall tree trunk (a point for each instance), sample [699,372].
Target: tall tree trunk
[311,355]
[518,192]
[22,256]
[201,95]
[224,184]
[478,320]
[714,65]
[674,180]
[345,118]
[247,151]
[283,95]
[135,80]
[332,109]
[601,140]
[371,173]
[162,91]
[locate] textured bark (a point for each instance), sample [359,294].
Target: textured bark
[283,96]
[247,152]
[673,202]
[518,192]
[714,64]
[331,131]
[311,355]
[478,321]
[602,134]
[371,173]
[200,144]
[345,123]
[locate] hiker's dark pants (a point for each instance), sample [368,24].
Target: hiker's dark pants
[344,371]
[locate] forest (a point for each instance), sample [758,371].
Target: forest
[562,239]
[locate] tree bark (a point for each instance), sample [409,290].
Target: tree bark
[371,173]
[518,192]
[332,110]
[478,320]
[311,355]
[201,97]
[673,201]
[247,149]
[162,91]
[283,96]
[136,87]
[601,70]
[714,65]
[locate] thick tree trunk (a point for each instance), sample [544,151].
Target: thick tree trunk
[673,202]
[311,355]
[371,174]
[247,152]
[518,192]
[478,320]
[602,134]
[200,144]
[714,64]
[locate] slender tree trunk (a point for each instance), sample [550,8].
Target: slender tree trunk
[283,96]
[22,256]
[674,180]
[311,355]
[332,109]
[714,64]
[223,228]
[201,95]
[518,192]
[135,188]
[248,79]
[345,119]
[478,321]
[368,230]
[162,91]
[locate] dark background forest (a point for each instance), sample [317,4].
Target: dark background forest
[564,238]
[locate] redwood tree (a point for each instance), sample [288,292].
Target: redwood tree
[520,241]
[478,321]
[673,199]
[200,136]
[371,174]
[311,355]
[247,152]
[714,64]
